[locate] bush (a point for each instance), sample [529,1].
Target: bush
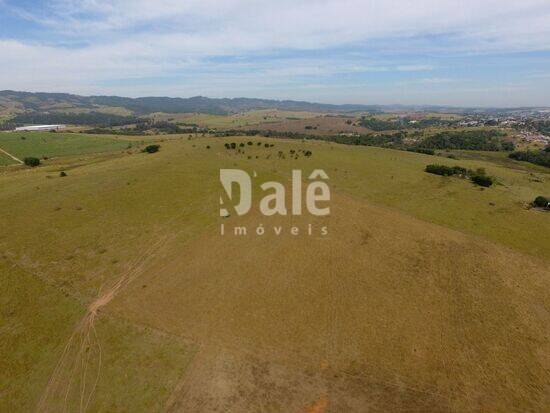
[440,170]
[31,161]
[233,145]
[227,146]
[536,157]
[151,148]
[541,202]
[425,151]
[482,180]
[62,174]
[249,143]
[459,170]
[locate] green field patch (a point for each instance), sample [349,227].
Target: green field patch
[47,144]
[6,160]
[138,366]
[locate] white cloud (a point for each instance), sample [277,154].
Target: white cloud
[132,39]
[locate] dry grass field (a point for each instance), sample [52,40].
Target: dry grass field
[318,125]
[237,120]
[120,294]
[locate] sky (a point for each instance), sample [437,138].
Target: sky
[441,52]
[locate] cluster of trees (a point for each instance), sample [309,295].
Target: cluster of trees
[484,140]
[536,157]
[378,125]
[426,122]
[475,140]
[240,148]
[234,145]
[147,126]
[478,177]
[371,139]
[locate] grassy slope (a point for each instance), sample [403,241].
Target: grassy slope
[36,321]
[93,223]
[6,160]
[397,179]
[40,144]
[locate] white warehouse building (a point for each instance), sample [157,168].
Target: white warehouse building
[40,128]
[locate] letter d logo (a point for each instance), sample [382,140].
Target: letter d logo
[230,176]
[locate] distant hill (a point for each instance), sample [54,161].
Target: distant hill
[36,105]
[19,102]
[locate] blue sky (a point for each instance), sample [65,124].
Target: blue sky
[337,51]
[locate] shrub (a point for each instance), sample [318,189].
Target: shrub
[62,174]
[31,161]
[482,180]
[233,145]
[249,143]
[541,202]
[227,146]
[425,151]
[151,148]
[459,170]
[440,170]
[241,145]
[308,153]
[207,146]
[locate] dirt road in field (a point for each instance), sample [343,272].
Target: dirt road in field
[11,156]
[74,380]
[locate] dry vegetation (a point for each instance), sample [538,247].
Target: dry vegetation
[428,294]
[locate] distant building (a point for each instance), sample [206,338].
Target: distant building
[40,128]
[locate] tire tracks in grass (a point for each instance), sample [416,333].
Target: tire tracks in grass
[82,353]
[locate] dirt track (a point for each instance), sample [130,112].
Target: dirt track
[11,156]
[75,378]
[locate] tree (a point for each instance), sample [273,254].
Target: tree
[151,148]
[541,202]
[482,180]
[31,161]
